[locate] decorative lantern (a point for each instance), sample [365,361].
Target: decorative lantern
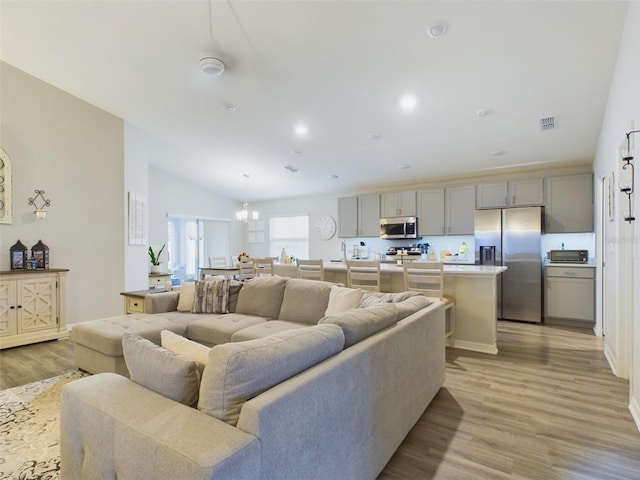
[40,252]
[18,256]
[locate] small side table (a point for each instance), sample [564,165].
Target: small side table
[134,301]
[159,279]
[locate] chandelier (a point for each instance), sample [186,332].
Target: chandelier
[245,215]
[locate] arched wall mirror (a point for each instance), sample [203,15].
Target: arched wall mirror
[5,187]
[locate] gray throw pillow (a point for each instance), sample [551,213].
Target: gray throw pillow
[361,323]
[156,368]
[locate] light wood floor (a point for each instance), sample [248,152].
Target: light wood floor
[546,407]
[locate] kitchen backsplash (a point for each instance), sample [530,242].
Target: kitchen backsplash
[452,244]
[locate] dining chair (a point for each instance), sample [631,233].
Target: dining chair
[217,262]
[311,269]
[364,274]
[428,278]
[246,269]
[263,267]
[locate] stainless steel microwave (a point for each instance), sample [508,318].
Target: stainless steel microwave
[399,227]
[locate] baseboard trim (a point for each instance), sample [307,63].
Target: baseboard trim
[476,347]
[634,408]
[611,359]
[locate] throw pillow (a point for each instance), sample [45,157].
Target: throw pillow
[211,296]
[183,346]
[187,293]
[360,323]
[342,299]
[156,368]
[239,371]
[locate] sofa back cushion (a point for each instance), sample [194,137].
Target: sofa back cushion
[172,375]
[261,296]
[304,301]
[360,323]
[237,372]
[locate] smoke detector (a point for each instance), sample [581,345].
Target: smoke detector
[211,64]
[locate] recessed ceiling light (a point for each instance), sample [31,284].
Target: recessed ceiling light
[301,130]
[333,176]
[229,107]
[291,168]
[374,136]
[437,29]
[296,152]
[484,112]
[408,102]
[404,167]
[497,153]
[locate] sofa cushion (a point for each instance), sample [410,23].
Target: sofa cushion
[215,329]
[264,329]
[342,299]
[105,335]
[212,296]
[261,296]
[187,294]
[237,372]
[411,305]
[360,323]
[370,298]
[305,300]
[183,346]
[174,376]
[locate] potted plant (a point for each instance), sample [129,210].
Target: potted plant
[155,259]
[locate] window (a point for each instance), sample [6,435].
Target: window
[290,233]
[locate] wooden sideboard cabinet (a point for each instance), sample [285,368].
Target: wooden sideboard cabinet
[32,306]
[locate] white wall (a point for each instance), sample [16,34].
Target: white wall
[136,180]
[621,255]
[74,152]
[169,194]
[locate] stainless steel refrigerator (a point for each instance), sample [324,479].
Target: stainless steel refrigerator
[511,237]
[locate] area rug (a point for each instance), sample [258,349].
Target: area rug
[30,429]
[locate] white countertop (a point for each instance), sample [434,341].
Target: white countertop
[449,270]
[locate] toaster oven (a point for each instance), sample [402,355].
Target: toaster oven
[568,256]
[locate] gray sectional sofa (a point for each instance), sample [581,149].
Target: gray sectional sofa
[334,393]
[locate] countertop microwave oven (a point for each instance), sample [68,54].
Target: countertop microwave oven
[399,227]
[568,256]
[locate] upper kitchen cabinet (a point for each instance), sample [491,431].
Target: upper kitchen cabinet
[431,212]
[398,204]
[460,205]
[569,204]
[359,216]
[518,193]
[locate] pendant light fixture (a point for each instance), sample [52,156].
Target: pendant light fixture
[244,214]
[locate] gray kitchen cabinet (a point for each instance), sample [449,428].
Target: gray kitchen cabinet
[570,293]
[569,204]
[369,216]
[517,193]
[359,216]
[398,204]
[430,212]
[460,205]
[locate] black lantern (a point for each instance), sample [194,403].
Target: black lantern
[40,252]
[18,256]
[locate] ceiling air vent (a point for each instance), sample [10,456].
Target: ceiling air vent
[548,123]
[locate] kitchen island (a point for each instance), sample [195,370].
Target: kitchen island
[474,287]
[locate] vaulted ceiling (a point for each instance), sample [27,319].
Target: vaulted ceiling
[339,68]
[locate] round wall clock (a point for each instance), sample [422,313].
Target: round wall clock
[326,227]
